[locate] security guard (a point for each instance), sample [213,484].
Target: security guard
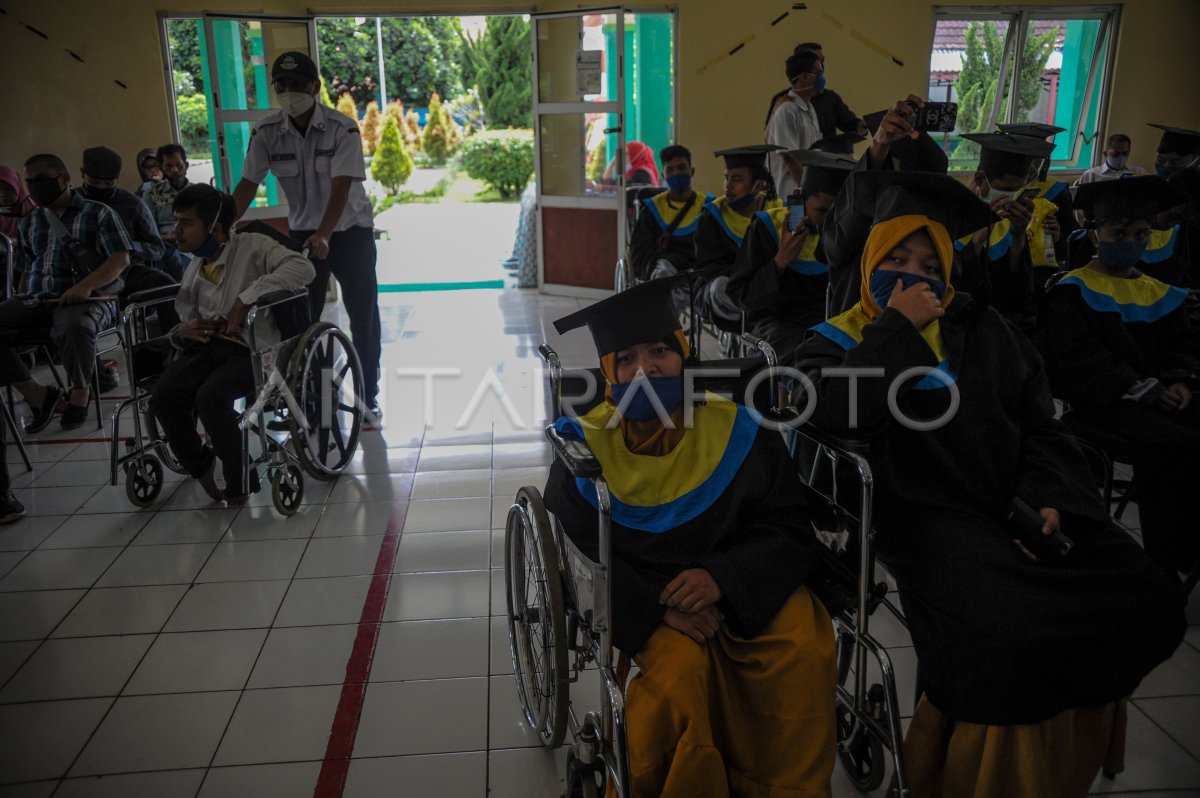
[316,154]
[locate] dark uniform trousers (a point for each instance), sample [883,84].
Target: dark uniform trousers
[208,379]
[352,261]
[72,329]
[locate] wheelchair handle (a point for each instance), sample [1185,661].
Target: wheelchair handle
[575,454]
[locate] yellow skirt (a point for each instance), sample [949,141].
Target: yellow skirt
[1057,758]
[737,717]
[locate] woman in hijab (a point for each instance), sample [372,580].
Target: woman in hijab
[963,445]
[640,168]
[15,205]
[734,693]
[149,169]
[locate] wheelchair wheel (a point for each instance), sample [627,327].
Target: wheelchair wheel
[287,489]
[864,762]
[143,480]
[536,617]
[326,379]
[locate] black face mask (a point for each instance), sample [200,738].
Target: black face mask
[104,195]
[44,190]
[178,181]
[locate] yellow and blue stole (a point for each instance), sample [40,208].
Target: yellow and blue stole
[659,493]
[733,223]
[806,262]
[660,208]
[999,239]
[846,331]
[1161,246]
[1140,298]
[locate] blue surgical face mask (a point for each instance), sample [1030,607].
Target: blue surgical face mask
[883,282]
[1120,254]
[742,203]
[820,84]
[679,182]
[669,391]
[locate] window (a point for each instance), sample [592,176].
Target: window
[1057,57]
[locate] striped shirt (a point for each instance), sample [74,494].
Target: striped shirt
[44,260]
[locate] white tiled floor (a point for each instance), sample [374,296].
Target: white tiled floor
[195,650]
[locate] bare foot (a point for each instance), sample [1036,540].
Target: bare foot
[209,482]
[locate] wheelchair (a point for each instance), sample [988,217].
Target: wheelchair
[305,411]
[840,491]
[559,602]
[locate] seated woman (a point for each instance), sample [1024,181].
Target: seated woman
[1119,348]
[227,275]
[960,422]
[710,553]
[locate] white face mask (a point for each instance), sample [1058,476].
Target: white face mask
[995,194]
[1117,161]
[296,103]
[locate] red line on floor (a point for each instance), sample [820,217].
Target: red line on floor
[336,765]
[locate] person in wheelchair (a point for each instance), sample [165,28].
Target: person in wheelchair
[227,274]
[710,552]
[663,243]
[968,458]
[1119,348]
[723,225]
[781,275]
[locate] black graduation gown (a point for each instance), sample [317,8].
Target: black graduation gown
[1093,358]
[782,305]
[753,540]
[650,227]
[716,249]
[1001,640]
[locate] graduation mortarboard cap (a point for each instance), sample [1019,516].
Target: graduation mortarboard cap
[752,157]
[294,64]
[637,315]
[824,172]
[1140,197]
[1178,140]
[841,143]
[102,163]
[1037,130]
[1006,154]
[883,195]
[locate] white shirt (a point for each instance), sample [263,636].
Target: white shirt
[254,265]
[305,164]
[1105,172]
[793,126]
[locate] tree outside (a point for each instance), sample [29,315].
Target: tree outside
[499,63]
[977,82]
[392,165]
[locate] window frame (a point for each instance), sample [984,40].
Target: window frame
[1019,19]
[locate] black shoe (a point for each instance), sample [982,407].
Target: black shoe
[74,416]
[10,508]
[41,417]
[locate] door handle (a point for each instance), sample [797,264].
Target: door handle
[608,131]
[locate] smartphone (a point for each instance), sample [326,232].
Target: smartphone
[1028,194]
[1025,524]
[935,117]
[795,218]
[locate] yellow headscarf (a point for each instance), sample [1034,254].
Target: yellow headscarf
[647,437]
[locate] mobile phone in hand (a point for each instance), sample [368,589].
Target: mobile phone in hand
[795,218]
[1025,524]
[1028,194]
[935,117]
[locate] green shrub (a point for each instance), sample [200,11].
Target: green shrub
[501,158]
[193,122]
[440,137]
[392,164]
[370,128]
[345,105]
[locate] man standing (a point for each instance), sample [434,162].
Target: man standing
[1116,162]
[71,249]
[832,112]
[160,197]
[316,154]
[793,125]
